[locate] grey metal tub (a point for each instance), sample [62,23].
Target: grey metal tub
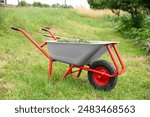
[77,53]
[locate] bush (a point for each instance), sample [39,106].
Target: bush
[39,4]
[56,5]
[46,5]
[66,6]
[23,3]
[61,6]
[140,36]
[124,23]
[137,20]
[127,22]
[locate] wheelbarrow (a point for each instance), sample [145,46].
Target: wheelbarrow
[102,75]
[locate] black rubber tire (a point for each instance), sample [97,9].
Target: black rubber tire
[112,81]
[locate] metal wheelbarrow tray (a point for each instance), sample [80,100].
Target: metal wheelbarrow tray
[102,75]
[78,54]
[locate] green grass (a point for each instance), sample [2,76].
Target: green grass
[23,69]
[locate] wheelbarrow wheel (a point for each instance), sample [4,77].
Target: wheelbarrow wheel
[99,81]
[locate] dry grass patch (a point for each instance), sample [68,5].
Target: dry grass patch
[139,59]
[9,85]
[4,86]
[93,13]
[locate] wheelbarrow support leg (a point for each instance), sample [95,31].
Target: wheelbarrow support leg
[68,71]
[79,73]
[114,61]
[50,68]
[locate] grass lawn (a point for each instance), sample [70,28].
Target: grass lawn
[23,69]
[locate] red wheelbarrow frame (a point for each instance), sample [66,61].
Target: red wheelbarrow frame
[69,70]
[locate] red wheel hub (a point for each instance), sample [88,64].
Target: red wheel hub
[100,79]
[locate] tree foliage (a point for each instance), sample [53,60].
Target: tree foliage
[130,6]
[134,7]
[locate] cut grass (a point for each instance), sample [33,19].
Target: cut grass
[23,69]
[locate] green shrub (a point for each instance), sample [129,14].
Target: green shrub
[39,4]
[66,6]
[139,35]
[46,5]
[23,3]
[124,23]
[61,6]
[137,20]
[127,22]
[56,6]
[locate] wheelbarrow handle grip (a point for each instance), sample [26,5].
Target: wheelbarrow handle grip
[15,28]
[45,28]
